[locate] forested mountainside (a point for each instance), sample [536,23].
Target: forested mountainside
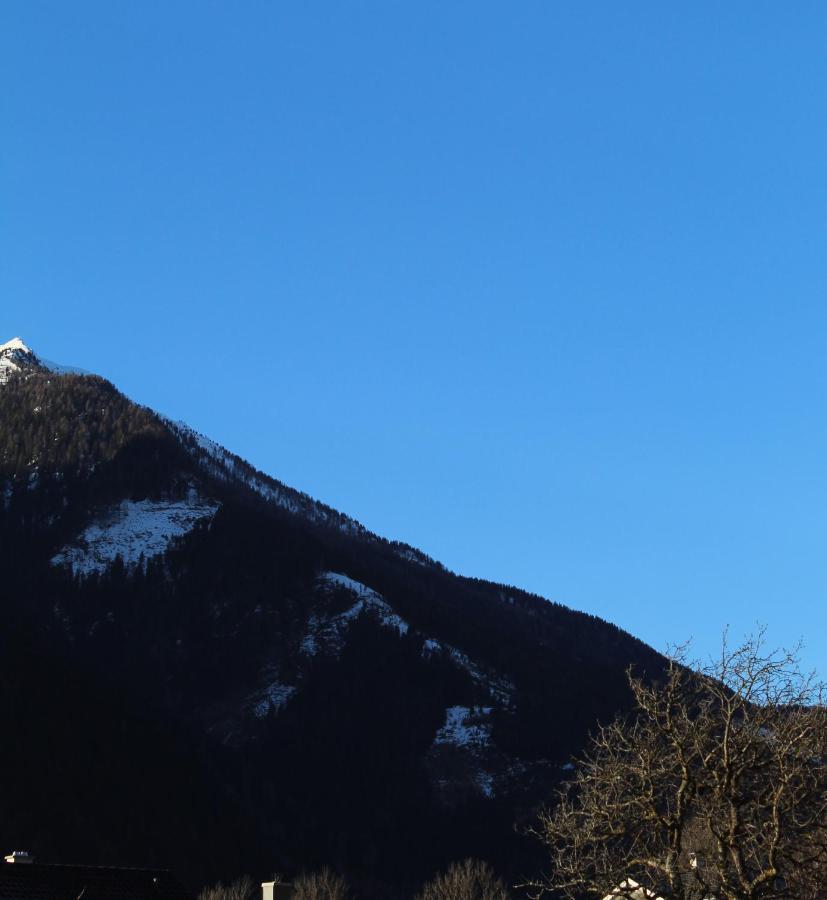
[205,669]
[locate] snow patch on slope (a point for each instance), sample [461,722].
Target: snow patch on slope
[485,782]
[272,698]
[131,530]
[468,730]
[329,632]
[465,726]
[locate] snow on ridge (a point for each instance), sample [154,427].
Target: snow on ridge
[368,601]
[59,369]
[500,689]
[228,467]
[329,631]
[411,554]
[14,355]
[15,343]
[345,581]
[132,530]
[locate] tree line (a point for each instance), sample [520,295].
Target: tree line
[714,787]
[471,879]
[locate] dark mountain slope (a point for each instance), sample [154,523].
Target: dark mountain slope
[209,670]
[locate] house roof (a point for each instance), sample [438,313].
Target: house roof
[34,881]
[631,890]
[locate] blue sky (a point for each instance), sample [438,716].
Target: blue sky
[536,287]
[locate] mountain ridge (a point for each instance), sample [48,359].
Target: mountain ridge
[344,699]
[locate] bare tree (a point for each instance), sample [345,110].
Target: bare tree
[242,888]
[322,885]
[471,879]
[716,787]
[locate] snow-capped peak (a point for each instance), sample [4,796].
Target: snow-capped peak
[14,356]
[15,344]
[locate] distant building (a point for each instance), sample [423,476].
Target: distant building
[631,890]
[22,878]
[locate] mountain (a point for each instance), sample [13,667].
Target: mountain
[16,357]
[205,669]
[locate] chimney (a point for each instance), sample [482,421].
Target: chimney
[275,890]
[19,856]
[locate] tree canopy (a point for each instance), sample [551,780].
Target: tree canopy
[716,786]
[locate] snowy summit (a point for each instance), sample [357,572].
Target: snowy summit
[14,356]
[14,344]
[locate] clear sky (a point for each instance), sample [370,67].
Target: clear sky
[537,287]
